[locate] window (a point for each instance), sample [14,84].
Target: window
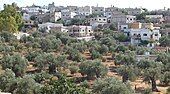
[124,27]
[144,34]
[89,30]
[104,19]
[95,19]
[156,34]
[131,19]
[101,10]
[99,19]
[127,18]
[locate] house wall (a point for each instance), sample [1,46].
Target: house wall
[98,10]
[86,10]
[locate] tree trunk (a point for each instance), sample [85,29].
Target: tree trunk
[97,73]
[153,82]
[125,77]
[52,69]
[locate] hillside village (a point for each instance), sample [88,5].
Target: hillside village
[84,50]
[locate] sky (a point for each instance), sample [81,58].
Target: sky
[149,4]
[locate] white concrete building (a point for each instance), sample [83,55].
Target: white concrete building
[55,16]
[66,14]
[81,31]
[134,11]
[48,26]
[142,34]
[110,11]
[26,16]
[123,19]
[72,8]
[154,16]
[34,9]
[19,35]
[98,10]
[31,9]
[86,10]
[94,22]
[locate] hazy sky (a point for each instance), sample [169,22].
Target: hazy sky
[149,4]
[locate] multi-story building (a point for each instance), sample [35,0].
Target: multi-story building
[167,19]
[155,18]
[72,8]
[81,31]
[98,10]
[94,22]
[123,19]
[48,26]
[86,10]
[138,35]
[110,11]
[134,11]
[138,25]
[26,16]
[34,10]
[66,14]
[55,16]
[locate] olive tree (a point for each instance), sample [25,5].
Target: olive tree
[151,71]
[16,63]
[8,81]
[110,86]
[127,62]
[93,69]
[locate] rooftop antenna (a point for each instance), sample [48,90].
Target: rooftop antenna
[97,4]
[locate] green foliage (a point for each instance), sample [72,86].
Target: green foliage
[10,19]
[168,90]
[95,54]
[75,55]
[112,26]
[141,50]
[164,58]
[125,59]
[7,36]
[16,63]
[120,37]
[147,91]
[128,72]
[93,68]
[110,86]
[43,60]
[62,86]
[73,69]
[7,80]
[42,76]
[151,71]
[80,46]
[27,85]
[31,55]
[85,84]
[165,78]
[121,48]
[164,41]
[103,49]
